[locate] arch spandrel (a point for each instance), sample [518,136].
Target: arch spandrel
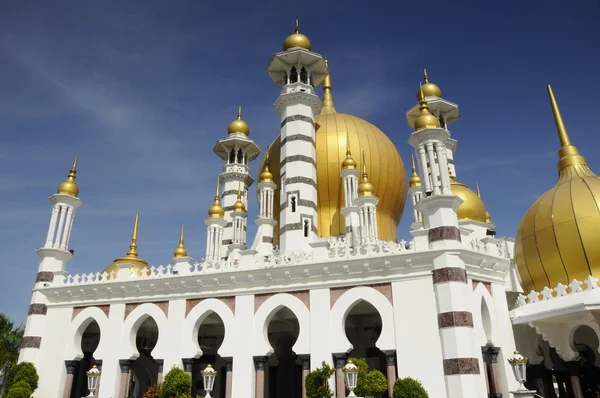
[131,325]
[193,321]
[78,326]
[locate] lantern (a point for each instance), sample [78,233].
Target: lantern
[519,366]
[209,375]
[351,376]
[93,375]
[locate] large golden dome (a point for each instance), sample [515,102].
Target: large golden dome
[557,240]
[472,207]
[386,170]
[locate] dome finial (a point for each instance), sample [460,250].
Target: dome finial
[429,89]
[478,191]
[297,26]
[238,125]
[69,186]
[239,206]
[296,39]
[240,112]
[415,180]
[349,162]
[180,251]
[425,119]
[425,77]
[133,246]
[216,211]
[365,188]
[328,106]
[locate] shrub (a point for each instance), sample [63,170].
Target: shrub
[317,382]
[153,392]
[369,382]
[24,371]
[20,389]
[409,388]
[177,384]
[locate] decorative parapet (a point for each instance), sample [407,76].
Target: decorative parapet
[489,246]
[560,290]
[340,249]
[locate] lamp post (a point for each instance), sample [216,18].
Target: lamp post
[351,376]
[93,375]
[519,367]
[208,376]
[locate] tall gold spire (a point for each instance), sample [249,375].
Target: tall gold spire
[415,180]
[216,210]
[349,162]
[365,188]
[239,206]
[425,77]
[180,251]
[69,186]
[328,106]
[478,191]
[568,154]
[134,236]
[425,119]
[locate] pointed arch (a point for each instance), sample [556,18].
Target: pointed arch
[484,317]
[193,321]
[78,326]
[344,305]
[133,322]
[263,317]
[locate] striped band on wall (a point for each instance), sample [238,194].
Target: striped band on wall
[298,117]
[301,202]
[267,239]
[461,366]
[298,137]
[455,319]
[449,274]
[227,241]
[31,342]
[297,227]
[298,158]
[44,276]
[301,180]
[37,309]
[230,192]
[444,233]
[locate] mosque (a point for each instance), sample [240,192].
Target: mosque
[325,278]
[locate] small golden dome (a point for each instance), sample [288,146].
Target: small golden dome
[180,251]
[69,186]
[415,180]
[216,210]
[139,266]
[365,188]
[488,217]
[238,125]
[297,39]
[266,175]
[472,207]
[425,119]
[557,240]
[349,162]
[428,89]
[239,206]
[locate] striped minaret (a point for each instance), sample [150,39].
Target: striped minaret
[298,70]
[459,351]
[54,256]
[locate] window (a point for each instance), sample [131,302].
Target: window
[232,156]
[303,75]
[240,156]
[293,203]
[306,228]
[293,75]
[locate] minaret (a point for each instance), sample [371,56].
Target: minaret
[238,216]
[263,241]
[350,175]
[367,204]
[416,193]
[181,261]
[215,226]
[299,71]
[237,151]
[459,351]
[54,256]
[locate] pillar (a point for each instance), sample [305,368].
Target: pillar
[339,360]
[573,370]
[228,376]
[160,363]
[490,358]
[188,365]
[125,365]
[259,363]
[390,365]
[305,360]
[99,366]
[71,367]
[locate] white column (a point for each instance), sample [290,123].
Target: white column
[244,376]
[52,228]
[375,232]
[61,224]
[433,169]
[70,225]
[424,169]
[443,167]
[67,228]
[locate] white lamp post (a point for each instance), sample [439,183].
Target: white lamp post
[93,375]
[208,375]
[519,366]
[351,376]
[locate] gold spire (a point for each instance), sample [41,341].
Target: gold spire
[238,125]
[429,89]
[296,39]
[328,106]
[69,186]
[180,251]
[239,206]
[425,77]
[365,188]
[568,154]
[478,191]
[133,246]
[266,175]
[216,210]
[349,162]
[138,265]
[425,119]
[415,180]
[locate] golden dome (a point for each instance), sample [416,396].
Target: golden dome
[239,206]
[266,175]
[238,125]
[216,210]
[180,251]
[349,162]
[425,119]
[387,172]
[472,208]
[415,180]
[488,216]
[69,186]
[139,266]
[428,89]
[297,39]
[365,188]
[557,240]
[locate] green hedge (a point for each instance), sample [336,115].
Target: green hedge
[317,382]
[409,388]
[369,382]
[21,372]
[20,389]
[176,384]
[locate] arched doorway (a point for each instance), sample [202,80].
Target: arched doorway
[211,334]
[89,342]
[363,327]
[283,372]
[586,343]
[144,370]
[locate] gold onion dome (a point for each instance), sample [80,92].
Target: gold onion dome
[415,180]
[365,188]
[428,89]
[69,186]
[425,119]
[472,208]
[557,240]
[266,175]
[386,171]
[297,39]
[238,125]
[216,210]
[180,251]
[239,206]
[138,265]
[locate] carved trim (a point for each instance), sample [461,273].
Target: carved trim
[298,137]
[390,357]
[444,233]
[461,366]
[449,274]
[294,118]
[297,158]
[339,359]
[455,319]
[125,365]
[71,366]
[37,309]
[259,362]
[188,364]
[31,342]
[44,276]
[305,360]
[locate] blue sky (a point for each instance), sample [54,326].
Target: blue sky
[143,89]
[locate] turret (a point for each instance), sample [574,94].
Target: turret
[416,194]
[367,205]
[263,241]
[215,226]
[350,211]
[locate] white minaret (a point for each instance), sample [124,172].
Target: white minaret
[215,226]
[263,241]
[350,211]
[367,208]
[459,351]
[54,256]
[299,71]
[416,193]
[237,151]
[238,217]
